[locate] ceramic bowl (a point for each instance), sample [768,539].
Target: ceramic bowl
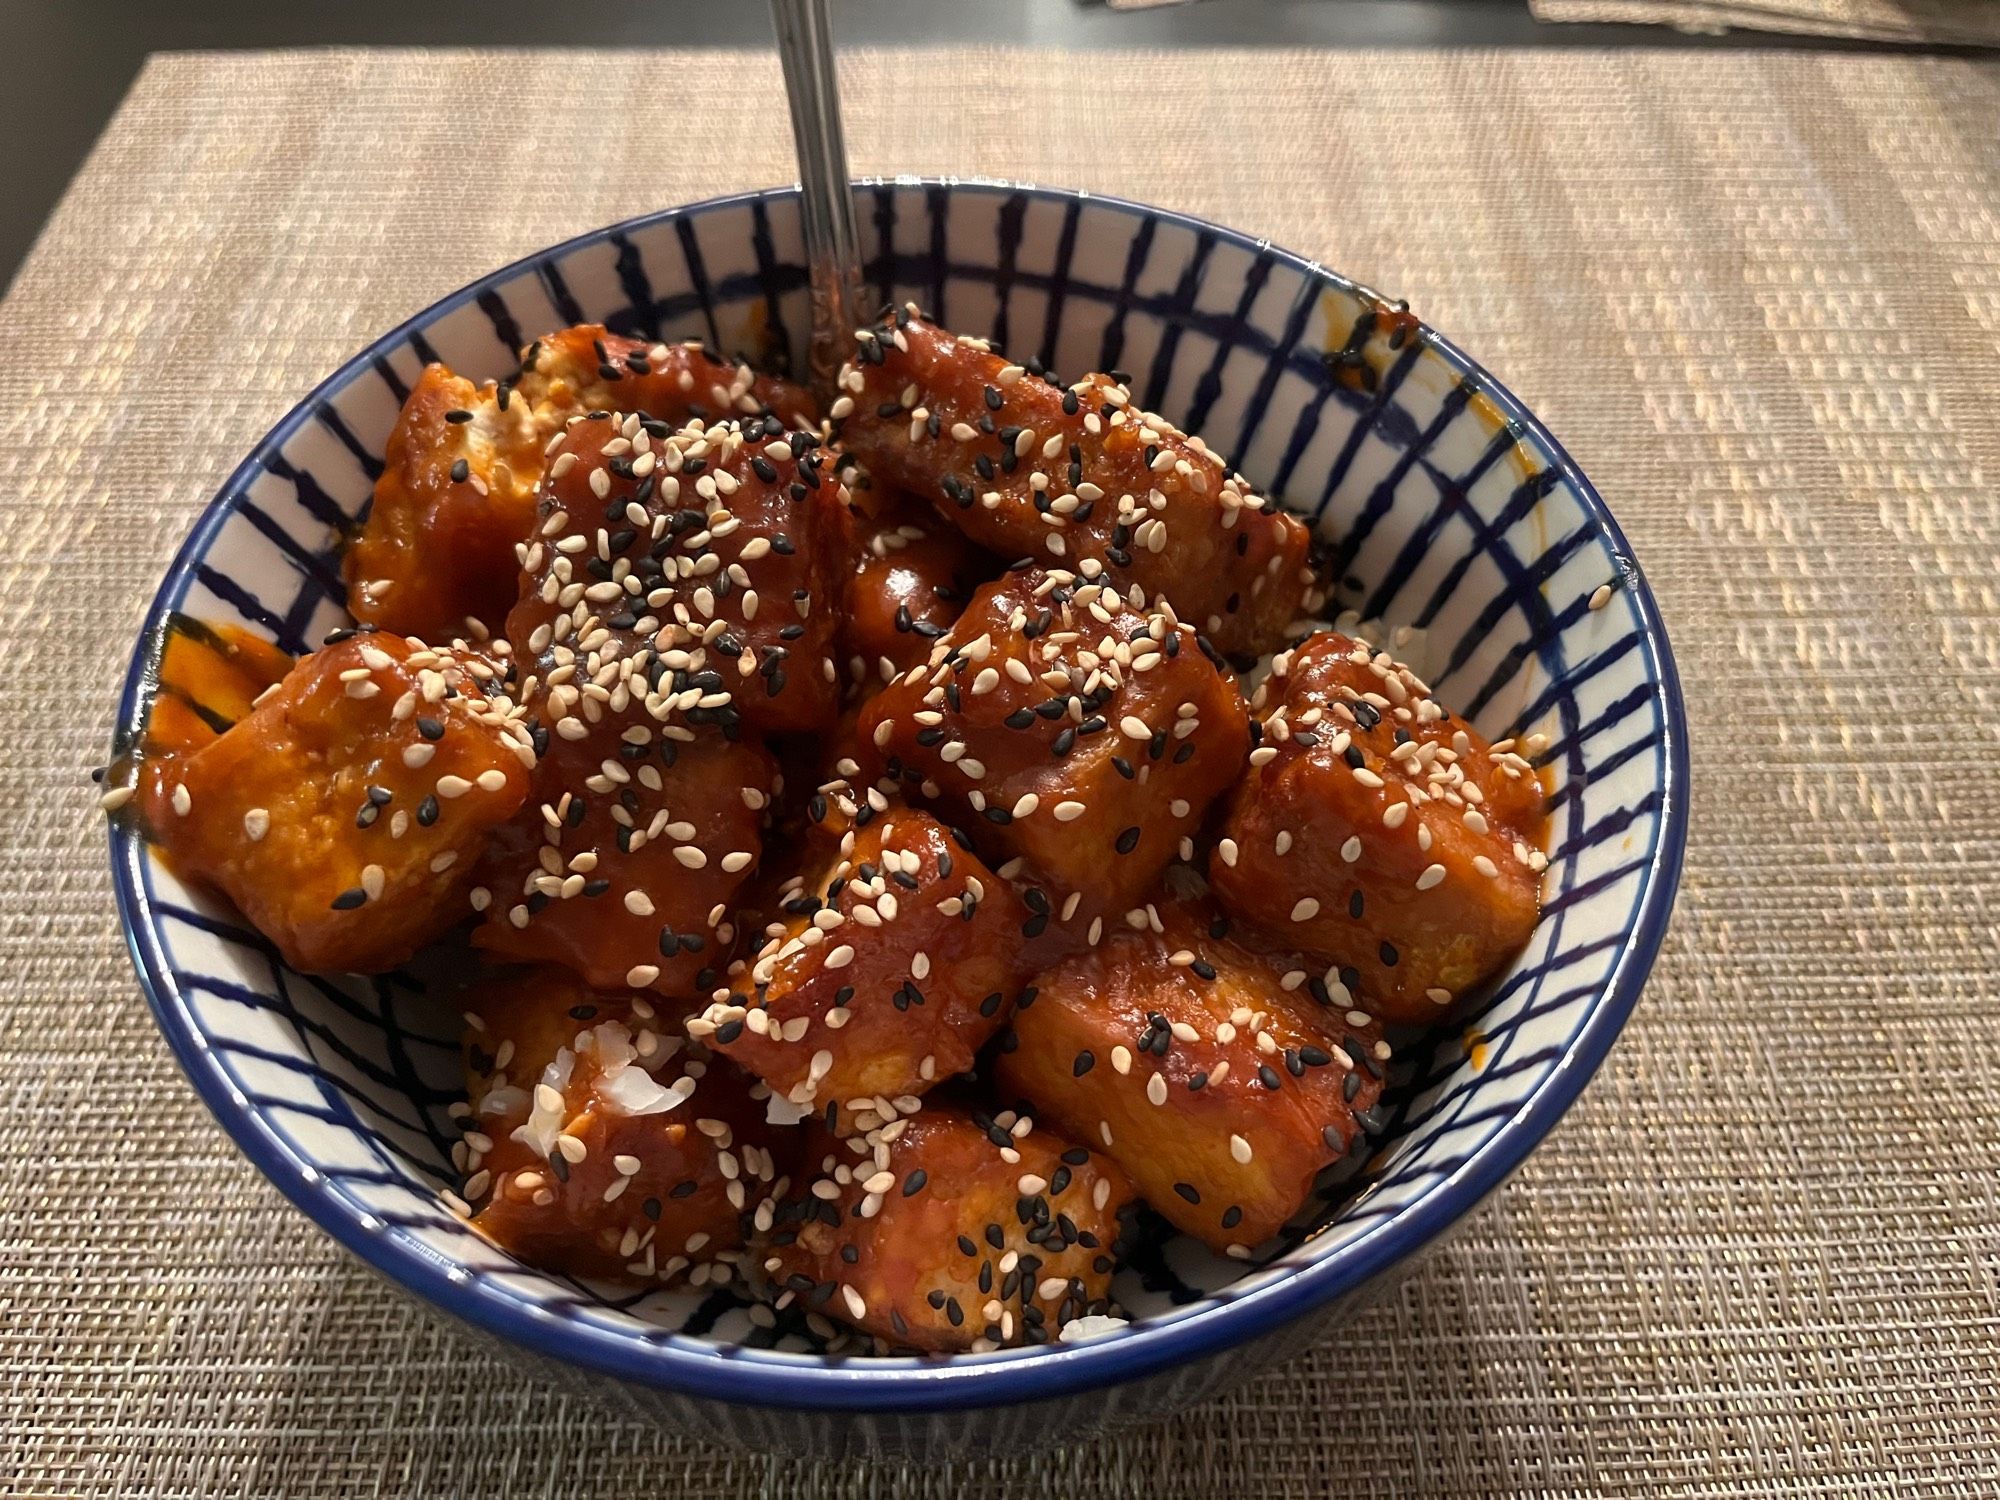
[1451,512]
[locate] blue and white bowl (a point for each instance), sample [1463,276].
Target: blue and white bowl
[1450,510]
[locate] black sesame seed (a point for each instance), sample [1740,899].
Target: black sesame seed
[1187,1191]
[1085,1061]
[459,470]
[1128,841]
[347,900]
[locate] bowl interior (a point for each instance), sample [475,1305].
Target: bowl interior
[1451,514]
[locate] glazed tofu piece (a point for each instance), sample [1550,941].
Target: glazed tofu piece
[1221,1078]
[897,958]
[587,368]
[1061,725]
[706,558]
[950,1230]
[1381,834]
[1030,468]
[457,492]
[345,814]
[598,1142]
[436,551]
[626,861]
[912,577]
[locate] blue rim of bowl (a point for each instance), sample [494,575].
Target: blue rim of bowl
[948,1384]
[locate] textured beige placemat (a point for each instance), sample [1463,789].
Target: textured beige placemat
[1759,297]
[1965,23]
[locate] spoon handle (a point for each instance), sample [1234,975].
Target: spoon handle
[805,47]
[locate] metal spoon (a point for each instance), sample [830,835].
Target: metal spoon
[805,47]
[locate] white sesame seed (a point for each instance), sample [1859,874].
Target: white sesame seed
[840,957]
[1069,812]
[492,780]
[449,787]
[1121,1060]
[1433,875]
[1156,1088]
[256,823]
[1394,814]
[1306,908]
[1239,1149]
[182,802]
[1600,596]
[1135,728]
[1030,1185]
[1351,850]
[639,903]
[373,881]
[1485,866]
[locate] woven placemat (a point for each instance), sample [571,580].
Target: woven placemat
[1758,297]
[1962,23]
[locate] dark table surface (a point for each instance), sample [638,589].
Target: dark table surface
[70,61]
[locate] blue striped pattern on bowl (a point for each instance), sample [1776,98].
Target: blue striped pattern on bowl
[1451,512]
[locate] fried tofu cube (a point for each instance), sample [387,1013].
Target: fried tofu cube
[600,1143]
[587,368]
[345,814]
[950,1230]
[897,959]
[1060,724]
[457,491]
[626,861]
[1206,1068]
[706,556]
[1381,834]
[912,577]
[1030,468]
